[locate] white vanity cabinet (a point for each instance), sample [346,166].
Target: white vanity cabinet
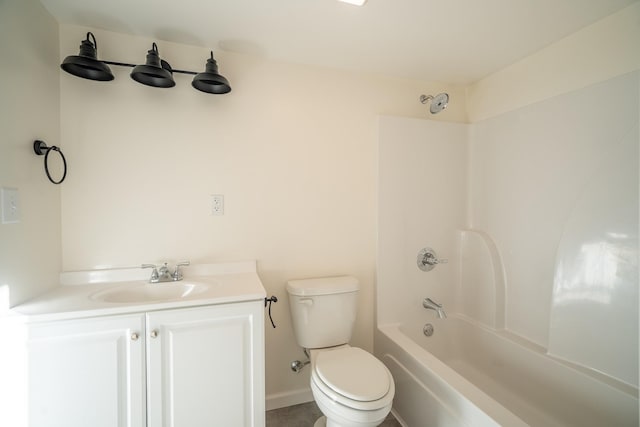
[205,366]
[183,367]
[87,372]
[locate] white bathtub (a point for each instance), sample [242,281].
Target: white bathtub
[468,375]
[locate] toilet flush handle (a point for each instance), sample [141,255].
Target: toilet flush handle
[306,301]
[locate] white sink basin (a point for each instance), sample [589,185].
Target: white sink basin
[151,292]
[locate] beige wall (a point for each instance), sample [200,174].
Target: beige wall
[598,52]
[292,148]
[30,253]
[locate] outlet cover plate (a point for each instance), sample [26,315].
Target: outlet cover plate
[217,204]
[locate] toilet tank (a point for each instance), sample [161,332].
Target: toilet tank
[323,310]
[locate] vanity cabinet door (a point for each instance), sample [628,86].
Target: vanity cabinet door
[206,366]
[87,372]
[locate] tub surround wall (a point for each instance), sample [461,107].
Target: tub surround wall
[596,275]
[30,253]
[481,290]
[522,169]
[559,169]
[529,169]
[421,202]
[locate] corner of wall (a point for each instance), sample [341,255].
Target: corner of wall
[600,51]
[30,251]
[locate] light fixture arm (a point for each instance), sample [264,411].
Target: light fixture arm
[124,64]
[154,47]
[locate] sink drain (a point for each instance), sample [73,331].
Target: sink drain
[427,330]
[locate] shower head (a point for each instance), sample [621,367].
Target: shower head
[438,102]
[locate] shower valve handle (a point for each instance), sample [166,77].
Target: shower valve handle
[430,259]
[427,259]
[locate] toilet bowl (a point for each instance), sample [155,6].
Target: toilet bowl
[351,387]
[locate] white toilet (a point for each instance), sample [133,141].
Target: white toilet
[351,387]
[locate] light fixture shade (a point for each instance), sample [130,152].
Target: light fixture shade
[86,63]
[210,81]
[155,72]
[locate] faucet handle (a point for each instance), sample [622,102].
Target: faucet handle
[177,273]
[427,259]
[430,258]
[154,273]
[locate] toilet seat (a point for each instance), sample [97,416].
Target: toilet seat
[354,378]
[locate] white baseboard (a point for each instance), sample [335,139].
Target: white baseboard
[288,398]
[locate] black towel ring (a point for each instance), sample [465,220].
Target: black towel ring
[40,148]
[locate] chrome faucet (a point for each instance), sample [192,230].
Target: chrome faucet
[162,274]
[430,304]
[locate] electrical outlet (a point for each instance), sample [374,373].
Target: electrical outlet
[217,204]
[10,205]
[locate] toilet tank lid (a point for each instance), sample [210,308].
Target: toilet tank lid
[323,286]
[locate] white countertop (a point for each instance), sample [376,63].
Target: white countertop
[227,283]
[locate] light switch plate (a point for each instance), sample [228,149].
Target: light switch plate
[10,205]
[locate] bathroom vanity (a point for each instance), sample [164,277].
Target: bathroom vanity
[130,353]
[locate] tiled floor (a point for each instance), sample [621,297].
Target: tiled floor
[305,415]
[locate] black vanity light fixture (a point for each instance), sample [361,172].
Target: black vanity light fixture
[210,81]
[86,63]
[156,72]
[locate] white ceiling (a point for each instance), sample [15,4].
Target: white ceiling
[453,41]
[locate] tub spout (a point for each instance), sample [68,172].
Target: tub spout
[430,304]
